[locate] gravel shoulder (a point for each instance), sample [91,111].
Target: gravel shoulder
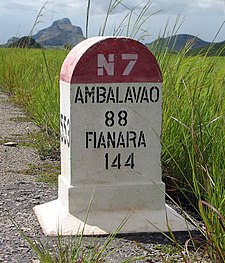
[20,192]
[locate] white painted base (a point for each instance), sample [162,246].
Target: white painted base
[54,220]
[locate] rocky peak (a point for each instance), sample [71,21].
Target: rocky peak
[62,22]
[66,25]
[60,33]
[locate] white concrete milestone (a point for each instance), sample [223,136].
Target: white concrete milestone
[110,117]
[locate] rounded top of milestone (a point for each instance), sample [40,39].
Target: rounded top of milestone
[110,60]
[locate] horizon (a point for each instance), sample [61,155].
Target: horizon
[177,34]
[200,18]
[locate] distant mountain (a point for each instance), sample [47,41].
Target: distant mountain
[211,50]
[12,40]
[178,42]
[61,33]
[24,42]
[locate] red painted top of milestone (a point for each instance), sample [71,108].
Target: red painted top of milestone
[110,60]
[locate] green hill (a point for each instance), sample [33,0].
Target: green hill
[194,44]
[25,42]
[214,49]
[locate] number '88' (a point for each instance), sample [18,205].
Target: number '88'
[121,118]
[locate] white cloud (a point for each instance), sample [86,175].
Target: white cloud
[99,7]
[210,4]
[16,5]
[191,6]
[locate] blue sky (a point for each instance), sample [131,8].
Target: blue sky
[202,18]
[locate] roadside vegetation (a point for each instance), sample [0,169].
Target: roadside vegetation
[31,76]
[193,137]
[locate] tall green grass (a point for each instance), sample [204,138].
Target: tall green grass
[194,139]
[32,77]
[194,121]
[193,136]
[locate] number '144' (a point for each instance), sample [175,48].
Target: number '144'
[118,161]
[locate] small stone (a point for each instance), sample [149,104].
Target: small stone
[12,144]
